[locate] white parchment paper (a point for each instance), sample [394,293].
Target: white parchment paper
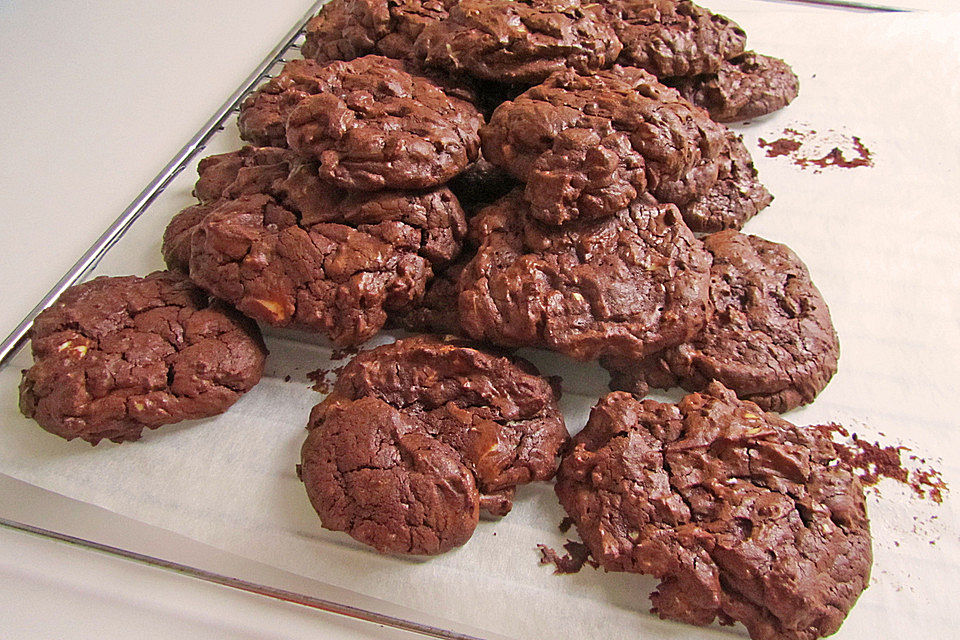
[882,244]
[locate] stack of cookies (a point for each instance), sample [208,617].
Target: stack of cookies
[528,173]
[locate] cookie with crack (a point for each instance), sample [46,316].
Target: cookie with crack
[586,146]
[519,41]
[747,86]
[118,355]
[348,29]
[770,338]
[497,413]
[374,473]
[734,198]
[741,515]
[369,123]
[632,283]
[671,38]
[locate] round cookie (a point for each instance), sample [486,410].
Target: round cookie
[116,355]
[519,41]
[770,338]
[586,146]
[674,38]
[741,515]
[736,197]
[289,250]
[348,29]
[368,123]
[748,86]
[376,474]
[496,412]
[633,283]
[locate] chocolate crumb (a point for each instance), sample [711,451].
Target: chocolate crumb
[565,524]
[801,146]
[873,461]
[342,354]
[781,147]
[286,378]
[319,379]
[577,556]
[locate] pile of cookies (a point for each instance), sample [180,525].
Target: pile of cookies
[504,174]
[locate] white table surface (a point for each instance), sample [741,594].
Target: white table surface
[95,98]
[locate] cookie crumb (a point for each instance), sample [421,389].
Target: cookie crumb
[577,555]
[873,461]
[805,148]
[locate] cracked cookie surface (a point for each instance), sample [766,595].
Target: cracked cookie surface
[497,413]
[293,251]
[671,38]
[368,123]
[376,474]
[519,41]
[118,355]
[633,283]
[586,146]
[748,86]
[770,337]
[741,515]
[348,29]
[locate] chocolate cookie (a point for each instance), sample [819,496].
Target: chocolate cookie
[748,86]
[633,283]
[348,29]
[671,38]
[519,41]
[249,171]
[374,472]
[437,312]
[770,338]
[322,259]
[736,197]
[497,413]
[114,356]
[741,515]
[588,145]
[369,123]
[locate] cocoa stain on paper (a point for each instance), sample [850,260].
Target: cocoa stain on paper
[805,148]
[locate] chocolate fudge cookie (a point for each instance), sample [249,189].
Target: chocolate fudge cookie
[368,123]
[114,356]
[348,29]
[633,283]
[375,473]
[497,413]
[736,197]
[741,515]
[249,171]
[519,41]
[770,338]
[588,145]
[671,38]
[748,86]
[313,257]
